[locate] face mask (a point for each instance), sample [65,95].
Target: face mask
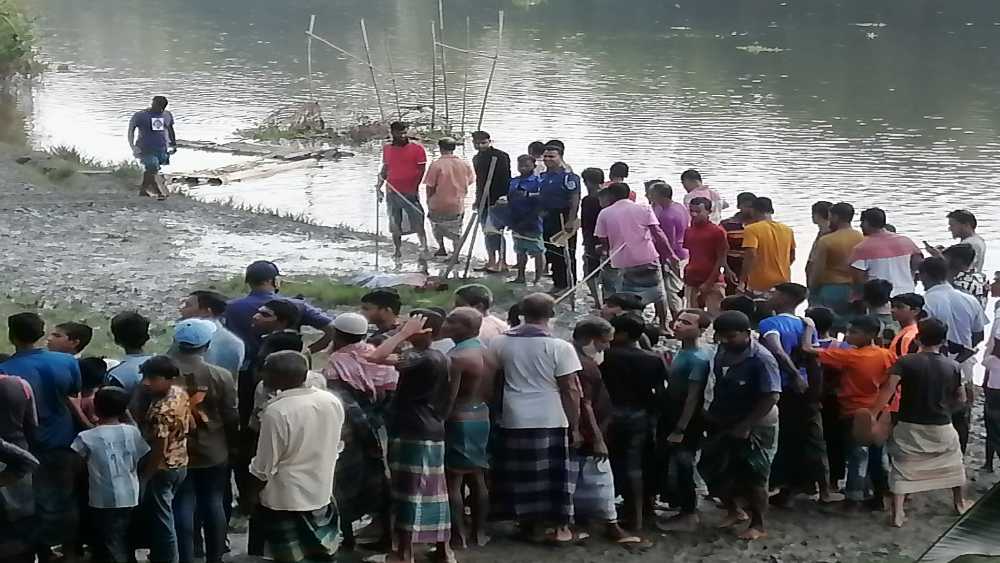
[593,353]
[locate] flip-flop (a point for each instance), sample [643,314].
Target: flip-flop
[628,540]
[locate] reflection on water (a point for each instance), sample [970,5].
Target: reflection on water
[870,101]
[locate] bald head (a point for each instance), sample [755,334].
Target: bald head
[463,323]
[538,307]
[285,370]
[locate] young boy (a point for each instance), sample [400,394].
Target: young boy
[525,221]
[684,417]
[823,319]
[875,294]
[865,371]
[907,309]
[590,208]
[801,458]
[112,450]
[70,338]
[93,371]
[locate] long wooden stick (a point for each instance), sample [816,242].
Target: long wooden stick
[453,261]
[378,234]
[493,71]
[344,52]
[444,65]
[434,74]
[309,56]
[392,77]
[465,84]
[482,209]
[587,278]
[371,67]
[468,51]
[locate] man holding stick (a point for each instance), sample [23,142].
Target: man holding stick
[560,198]
[496,188]
[403,166]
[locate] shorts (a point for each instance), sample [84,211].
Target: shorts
[530,244]
[153,160]
[447,225]
[408,205]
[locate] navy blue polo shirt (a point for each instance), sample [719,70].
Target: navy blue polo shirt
[558,187]
[740,380]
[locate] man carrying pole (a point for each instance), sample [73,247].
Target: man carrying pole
[403,166]
[492,188]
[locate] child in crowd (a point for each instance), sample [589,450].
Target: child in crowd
[525,219]
[590,208]
[875,294]
[70,338]
[112,450]
[823,320]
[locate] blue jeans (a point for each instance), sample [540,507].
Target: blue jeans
[202,490]
[863,463]
[160,492]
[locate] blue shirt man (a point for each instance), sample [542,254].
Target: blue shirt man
[155,126]
[740,378]
[558,188]
[53,377]
[262,276]
[789,330]
[524,202]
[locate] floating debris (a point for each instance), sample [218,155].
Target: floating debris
[757,49]
[871,35]
[870,24]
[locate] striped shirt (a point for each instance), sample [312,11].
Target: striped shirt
[112,452]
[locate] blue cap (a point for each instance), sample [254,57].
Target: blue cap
[261,271]
[194,332]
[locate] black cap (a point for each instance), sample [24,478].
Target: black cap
[261,271]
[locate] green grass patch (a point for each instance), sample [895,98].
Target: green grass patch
[102,344]
[332,293]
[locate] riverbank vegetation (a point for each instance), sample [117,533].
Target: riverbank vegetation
[17,42]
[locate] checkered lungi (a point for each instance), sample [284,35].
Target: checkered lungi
[533,475]
[419,489]
[299,536]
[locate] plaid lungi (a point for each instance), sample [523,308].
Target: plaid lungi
[533,475]
[594,496]
[801,458]
[467,434]
[300,536]
[645,281]
[447,225]
[630,446]
[728,462]
[419,489]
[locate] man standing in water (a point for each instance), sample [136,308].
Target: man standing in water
[153,145]
[403,166]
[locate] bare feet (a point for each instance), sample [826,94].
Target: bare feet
[752,534]
[457,541]
[443,554]
[830,498]
[733,518]
[679,523]
[962,507]
[898,519]
[481,539]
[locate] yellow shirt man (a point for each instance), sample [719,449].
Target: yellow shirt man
[773,248]
[831,258]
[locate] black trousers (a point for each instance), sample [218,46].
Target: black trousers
[562,275]
[961,420]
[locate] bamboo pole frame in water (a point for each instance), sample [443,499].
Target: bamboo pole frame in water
[392,77]
[444,64]
[309,56]
[465,82]
[345,52]
[434,74]
[371,67]
[493,70]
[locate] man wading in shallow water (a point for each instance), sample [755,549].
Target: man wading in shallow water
[154,145]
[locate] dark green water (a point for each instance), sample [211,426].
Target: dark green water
[895,103]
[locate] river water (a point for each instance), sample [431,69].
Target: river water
[875,102]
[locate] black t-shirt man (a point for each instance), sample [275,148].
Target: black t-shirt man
[929,384]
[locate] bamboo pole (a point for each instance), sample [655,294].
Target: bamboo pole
[444,65]
[344,52]
[453,261]
[434,74]
[493,70]
[466,51]
[309,56]
[392,77]
[371,67]
[465,85]
[587,278]
[378,225]
[482,209]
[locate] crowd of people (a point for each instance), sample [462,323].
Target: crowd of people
[430,426]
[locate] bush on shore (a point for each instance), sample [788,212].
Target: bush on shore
[17,42]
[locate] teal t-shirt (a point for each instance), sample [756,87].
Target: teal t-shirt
[688,365]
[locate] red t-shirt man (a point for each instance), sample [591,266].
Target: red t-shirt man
[707,249]
[404,166]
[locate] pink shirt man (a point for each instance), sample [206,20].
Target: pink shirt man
[628,223]
[448,180]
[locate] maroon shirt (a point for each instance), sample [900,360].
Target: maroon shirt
[703,242]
